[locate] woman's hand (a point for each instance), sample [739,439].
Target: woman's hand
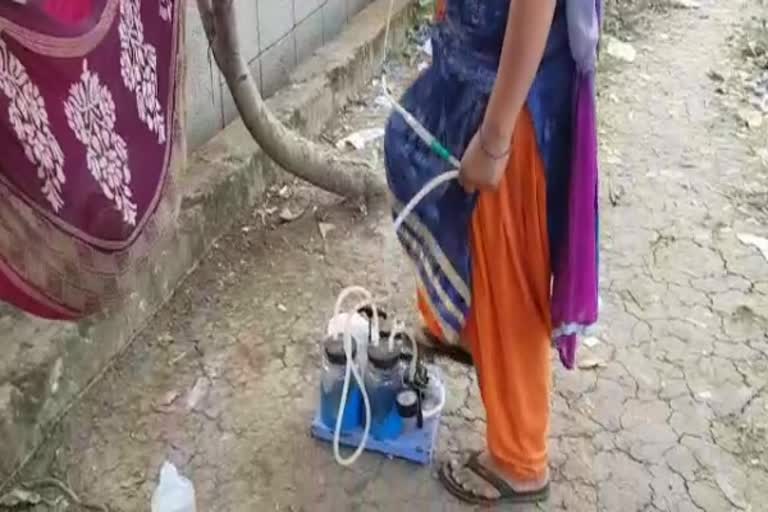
[484,161]
[528,25]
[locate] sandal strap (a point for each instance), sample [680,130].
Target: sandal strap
[504,489]
[495,481]
[460,489]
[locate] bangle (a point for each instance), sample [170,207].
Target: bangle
[490,154]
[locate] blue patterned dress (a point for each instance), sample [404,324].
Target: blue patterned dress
[450,98]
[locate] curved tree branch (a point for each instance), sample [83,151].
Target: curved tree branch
[298,155]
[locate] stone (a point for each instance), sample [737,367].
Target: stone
[619,49]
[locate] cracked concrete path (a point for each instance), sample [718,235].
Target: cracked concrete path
[673,418]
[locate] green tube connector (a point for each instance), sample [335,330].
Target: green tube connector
[441,151]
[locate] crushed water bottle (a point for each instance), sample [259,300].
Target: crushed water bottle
[174,492]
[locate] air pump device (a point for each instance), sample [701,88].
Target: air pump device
[393,405]
[375,393]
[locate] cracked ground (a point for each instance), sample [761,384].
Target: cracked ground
[669,409]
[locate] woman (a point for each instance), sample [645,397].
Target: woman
[507,258]
[79,206]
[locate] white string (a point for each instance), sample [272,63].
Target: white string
[386,33]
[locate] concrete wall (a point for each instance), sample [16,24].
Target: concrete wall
[275,36]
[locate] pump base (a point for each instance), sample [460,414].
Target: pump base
[416,445]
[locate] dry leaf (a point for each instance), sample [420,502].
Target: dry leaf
[359,139]
[591,341]
[286,215]
[325,228]
[19,499]
[169,398]
[684,4]
[758,242]
[592,364]
[716,76]
[752,118]
[197,393]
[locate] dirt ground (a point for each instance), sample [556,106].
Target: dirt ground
[668,413]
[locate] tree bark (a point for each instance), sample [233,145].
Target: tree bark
[316,164]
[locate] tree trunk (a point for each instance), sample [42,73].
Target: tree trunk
[318,165]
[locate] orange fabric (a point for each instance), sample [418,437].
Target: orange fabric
[509,325]
[430,322]
[440,10]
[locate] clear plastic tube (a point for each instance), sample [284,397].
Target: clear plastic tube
[352,370]
[421,194]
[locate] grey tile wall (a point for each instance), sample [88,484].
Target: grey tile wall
[277,61]
[334,13]
[309,36]
[274,36]
[203,94]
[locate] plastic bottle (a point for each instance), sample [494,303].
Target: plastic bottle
[359,327]
[174,493]
[383,381]
[332,383]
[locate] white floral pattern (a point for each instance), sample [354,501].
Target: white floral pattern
[90,113]
[29,118]
[166,9]
[138,67]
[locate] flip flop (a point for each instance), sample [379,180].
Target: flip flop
[431,345]
[507,495]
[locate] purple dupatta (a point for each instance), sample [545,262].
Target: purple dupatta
[575,285]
